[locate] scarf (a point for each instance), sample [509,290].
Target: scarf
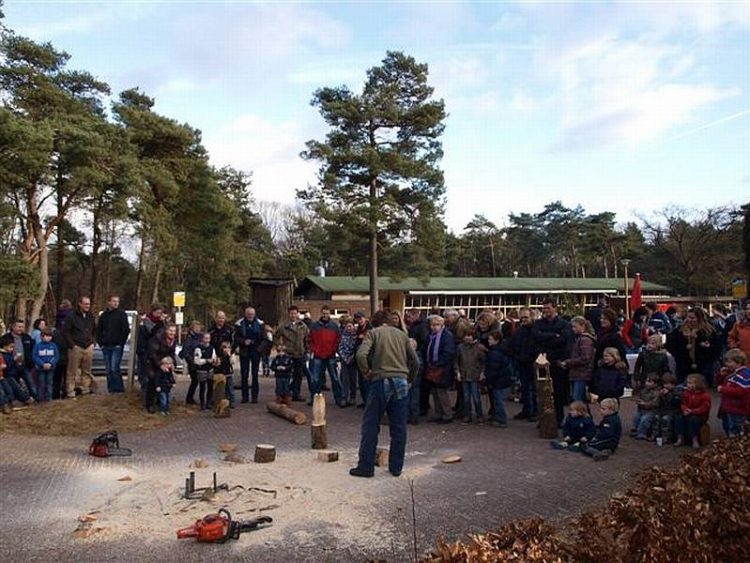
[434,347]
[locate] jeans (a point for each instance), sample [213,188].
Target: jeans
[472,397]
[13,391]
[229,391]
[299,370]
[319,367]
[579,391]
[164,401]
[733,424]
[251,360]
[364,385]
[282,386]
[389,396]
[46,379]
[112,358]
[528,389]
[500,396]
[415,393]
[25,374]
[642,423]
[58,384]
[561,390]
[349,381]
[688,426]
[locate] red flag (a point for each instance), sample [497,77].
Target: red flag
[636,297]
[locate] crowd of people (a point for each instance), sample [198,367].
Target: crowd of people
[676,358]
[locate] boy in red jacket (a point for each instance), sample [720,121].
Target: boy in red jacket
[735,392]
[694,411]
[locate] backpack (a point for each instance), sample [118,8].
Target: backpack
[108,444]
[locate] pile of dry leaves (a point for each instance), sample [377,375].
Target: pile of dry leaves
[697,511]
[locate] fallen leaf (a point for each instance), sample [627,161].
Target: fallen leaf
[126,478]
[227,448]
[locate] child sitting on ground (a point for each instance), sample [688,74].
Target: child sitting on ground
[608,433]
[469,368]
[164,382]
[204,358]
[694,410]
[611,375]
[735,392]
[9,377]
[46,356]
[653,359]
[648,407]
[578,428]
[670,398]
[282,366]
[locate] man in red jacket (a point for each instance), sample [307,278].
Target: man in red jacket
[323,342]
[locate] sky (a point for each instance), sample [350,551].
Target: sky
[618,106]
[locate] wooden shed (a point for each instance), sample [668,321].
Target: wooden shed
[271,298]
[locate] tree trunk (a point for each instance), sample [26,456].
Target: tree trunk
[37,231]
[60,250]
[139,277]
[96,243]
[157,280]
[373,247]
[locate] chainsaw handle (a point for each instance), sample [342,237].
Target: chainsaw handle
[189,532]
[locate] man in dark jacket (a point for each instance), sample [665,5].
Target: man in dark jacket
[23,348]
[111,335]
[553,336]
[323,340]
[523,350]
[419,394]
[221,331]
[79,334]
[151,325]
[249,333]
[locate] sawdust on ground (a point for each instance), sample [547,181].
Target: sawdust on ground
[88,415]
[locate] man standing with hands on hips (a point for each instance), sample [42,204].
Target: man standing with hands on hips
[390,364]
[79,335]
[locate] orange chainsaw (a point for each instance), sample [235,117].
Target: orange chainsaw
[219,528]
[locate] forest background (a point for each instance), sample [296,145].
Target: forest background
[100,194]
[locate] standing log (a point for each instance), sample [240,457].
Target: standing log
[265,453]
[318,432]
[287,413]
[319,437]
[382,456]
[547,424]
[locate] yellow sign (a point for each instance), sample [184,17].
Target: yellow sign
[739,289]
[178,298]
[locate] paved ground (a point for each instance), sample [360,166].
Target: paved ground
[320,512]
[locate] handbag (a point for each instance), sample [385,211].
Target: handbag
[433,374]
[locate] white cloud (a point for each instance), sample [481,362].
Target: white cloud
[269,150]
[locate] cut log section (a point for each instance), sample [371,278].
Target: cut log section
[328,456]
[319,436]
[265,453]
[285,412]
[381,457]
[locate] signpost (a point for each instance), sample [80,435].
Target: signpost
[178,300]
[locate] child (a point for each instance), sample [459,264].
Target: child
[9,377]
[608,433]
[224,367]
[670,399]
[204,359]
[469,368]
[654,359]
[346,351]
[578,428]
[282,366]
[611,375]
[735,393]
[46,356]
[581,361]
[499,374]
[648,406]
[164,382]
[694,410]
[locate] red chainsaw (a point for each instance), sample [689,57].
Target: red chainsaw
[219,527]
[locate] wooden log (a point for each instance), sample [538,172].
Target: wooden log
[381,457]
[221,403]
[328,456]
[265,453]
[287,413]
[319,410]
[319,436]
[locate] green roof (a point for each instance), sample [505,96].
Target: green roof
[360,284]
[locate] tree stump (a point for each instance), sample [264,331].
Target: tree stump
[287,413]
[547,424]
[381,457]
[319,437]
[265,453]
[328,456]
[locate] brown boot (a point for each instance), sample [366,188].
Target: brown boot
[279,400]
[287,400]
[7,409]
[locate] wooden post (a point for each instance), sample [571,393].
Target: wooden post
[265,453]
[221,403]
[285,412]
[547,418]
[318,430]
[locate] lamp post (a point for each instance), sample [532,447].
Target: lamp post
[625,262]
